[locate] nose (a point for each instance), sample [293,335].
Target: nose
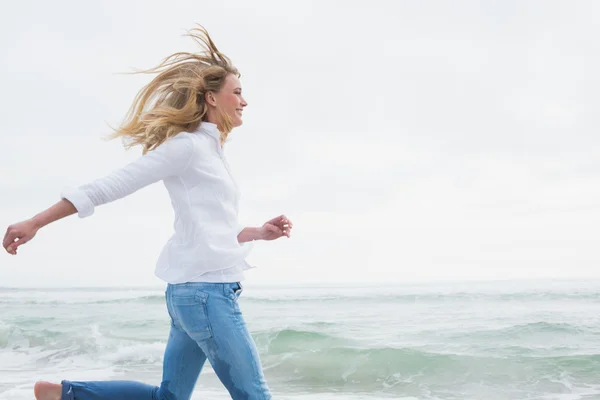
[244,103]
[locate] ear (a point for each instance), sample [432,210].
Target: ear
[209,97]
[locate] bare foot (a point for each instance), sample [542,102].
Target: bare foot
[47,390]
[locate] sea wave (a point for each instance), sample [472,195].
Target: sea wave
[400,369]
[315,359]
[532,330]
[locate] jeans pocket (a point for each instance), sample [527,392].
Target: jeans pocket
[239,289]
[192,314]
[235,292]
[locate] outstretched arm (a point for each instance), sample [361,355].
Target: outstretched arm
[24,231]
[170,158]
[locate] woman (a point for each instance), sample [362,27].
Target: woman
[182,119]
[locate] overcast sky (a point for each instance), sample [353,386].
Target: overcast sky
[406,140]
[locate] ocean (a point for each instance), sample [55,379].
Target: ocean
[445,341]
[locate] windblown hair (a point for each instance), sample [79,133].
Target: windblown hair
[174,101]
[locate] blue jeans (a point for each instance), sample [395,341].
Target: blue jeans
[206,322]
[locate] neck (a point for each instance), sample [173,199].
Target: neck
[211,116]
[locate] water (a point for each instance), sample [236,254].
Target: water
[497,340]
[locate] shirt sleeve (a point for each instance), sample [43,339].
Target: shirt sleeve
[171,158]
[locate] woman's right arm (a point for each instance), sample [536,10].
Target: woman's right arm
[170,158]
[22,232]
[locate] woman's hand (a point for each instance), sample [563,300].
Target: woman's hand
[276,228]
[22,232]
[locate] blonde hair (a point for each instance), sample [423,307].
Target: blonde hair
[174,101]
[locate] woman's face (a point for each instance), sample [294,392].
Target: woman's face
[230,99]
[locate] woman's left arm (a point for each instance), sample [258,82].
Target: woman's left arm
[271,230]
[249,234]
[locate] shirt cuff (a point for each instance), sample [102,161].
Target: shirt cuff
[80,200]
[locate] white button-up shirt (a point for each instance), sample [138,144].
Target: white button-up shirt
[205,199]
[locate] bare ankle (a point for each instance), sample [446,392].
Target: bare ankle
[47,390]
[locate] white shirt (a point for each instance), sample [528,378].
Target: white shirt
[205,199]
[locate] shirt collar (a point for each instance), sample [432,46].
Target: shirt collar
[210,129]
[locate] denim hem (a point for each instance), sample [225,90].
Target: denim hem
[67,391]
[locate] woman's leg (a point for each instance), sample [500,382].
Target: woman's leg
[218,327]
[183,361]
